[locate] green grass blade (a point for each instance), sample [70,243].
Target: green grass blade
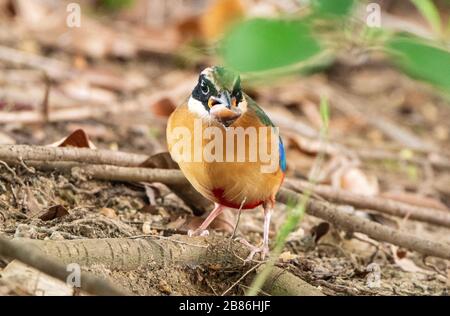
[430,13]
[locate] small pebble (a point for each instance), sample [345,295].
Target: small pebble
[147,228]
[108,212]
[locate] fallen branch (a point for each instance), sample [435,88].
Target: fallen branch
[18,153]
[399,209]
[14,153]
[36,259]
[106,172]
[130,254]
[350,223]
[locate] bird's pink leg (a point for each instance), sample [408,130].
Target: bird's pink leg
[264,249]
[201,230]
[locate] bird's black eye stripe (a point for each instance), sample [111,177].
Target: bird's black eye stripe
[203,91]
[237,92]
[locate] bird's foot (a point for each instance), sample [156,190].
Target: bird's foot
[198,232]
[263,250]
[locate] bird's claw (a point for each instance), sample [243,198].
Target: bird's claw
[198,232]
[262,250]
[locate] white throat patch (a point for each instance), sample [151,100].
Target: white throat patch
[197,107]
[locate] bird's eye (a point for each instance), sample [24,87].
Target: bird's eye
[237,95]
[204,88]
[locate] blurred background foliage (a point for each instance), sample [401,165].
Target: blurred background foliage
[266,44]
[263,37]
[312,33]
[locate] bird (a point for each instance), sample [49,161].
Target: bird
[237,177]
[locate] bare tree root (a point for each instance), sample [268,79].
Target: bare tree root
[332,213]
[428,215]
[279,283]
[129,254]
[33,257]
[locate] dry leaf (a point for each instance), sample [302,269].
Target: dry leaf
[406,264]
[163,107]
[287,256]
[320,230]
[219,16]
[33,207]
[53,212]
[93,130]
[77,139]
[108,212]
[189,28]
[152,192]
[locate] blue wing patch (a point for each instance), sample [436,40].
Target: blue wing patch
[266,121]
[282,155]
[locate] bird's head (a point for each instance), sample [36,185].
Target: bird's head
[218,96]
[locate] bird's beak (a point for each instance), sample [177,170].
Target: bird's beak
[222,111]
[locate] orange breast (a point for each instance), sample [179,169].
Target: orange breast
[226,182]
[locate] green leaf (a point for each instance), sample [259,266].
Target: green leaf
[332,7]
[116,5]
[421,60]
[430,13]
[263,44]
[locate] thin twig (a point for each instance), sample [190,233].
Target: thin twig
[12,171]
[237,222]
[242,277]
